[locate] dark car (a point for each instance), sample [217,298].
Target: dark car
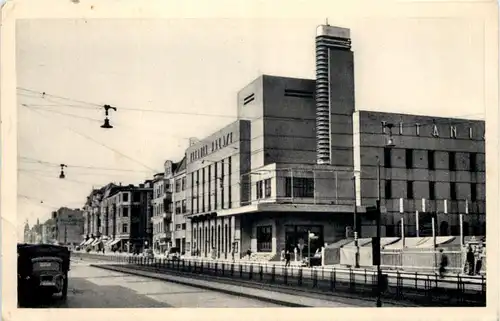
[42,270]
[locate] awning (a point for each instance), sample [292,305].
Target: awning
[96,242]
[108,242]
[88,241]
[114,242]
[82,242]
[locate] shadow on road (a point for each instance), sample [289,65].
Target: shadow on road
[85,294]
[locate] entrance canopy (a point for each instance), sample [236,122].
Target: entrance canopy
[291,208]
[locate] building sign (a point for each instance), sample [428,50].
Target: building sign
[434,131]
[211,147]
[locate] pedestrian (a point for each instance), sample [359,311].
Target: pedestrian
[282,258]
[443,263]
[287,258]
[249,253]
[103,250]
[470,261]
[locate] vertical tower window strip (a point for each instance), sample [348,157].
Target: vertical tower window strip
[203,189]
[229,191]
[197,191]
[409,189]
[221,181]
[452,161]
[453,191]
[432,190]
[210,187]
[473,192]
[387,157]
[216,185]
[192,192]
[409,158]
[430,160]
[472,162]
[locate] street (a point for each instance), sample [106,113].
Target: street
[91,287]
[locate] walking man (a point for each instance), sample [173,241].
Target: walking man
[287,258]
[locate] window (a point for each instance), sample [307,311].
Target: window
[409,158]
[267,187]
[264,238]
[137,197]
[183,209]
[302,187]
[430,160]
[451,161]
[124,228]
[183,183]
[178,207]
[259,189]
[125,197]
[473,192]
[409,189]
[388,189]
[387,157]
[453,190]
[183,226]
[125,212]
[178,185]
[432,190]
[178,227]
[472,162]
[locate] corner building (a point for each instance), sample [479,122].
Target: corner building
[301,158]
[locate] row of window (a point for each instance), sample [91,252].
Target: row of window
[158,209]
[432,190]
[160,228]
[159,191]
[202,183]
[263,188]
[207,238]
[180,207]
[431,163]
[180,184]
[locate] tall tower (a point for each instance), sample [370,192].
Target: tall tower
[334,95]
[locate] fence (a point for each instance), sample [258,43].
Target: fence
[423,289]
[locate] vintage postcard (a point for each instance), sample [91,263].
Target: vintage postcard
[283,154]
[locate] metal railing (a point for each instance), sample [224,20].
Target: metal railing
[425,289]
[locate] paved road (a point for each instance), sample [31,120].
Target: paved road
[90,287]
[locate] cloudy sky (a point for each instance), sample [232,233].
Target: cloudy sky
[178,68]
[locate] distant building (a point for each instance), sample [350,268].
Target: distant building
[121,223]
[69,226]
[161,217]
[27,232]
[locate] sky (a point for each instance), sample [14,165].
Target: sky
[184,70]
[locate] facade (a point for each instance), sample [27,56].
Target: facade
[125,212]
[69,224]
[49,230]
[179,207]
[439,160]
[161,216]
[301,159]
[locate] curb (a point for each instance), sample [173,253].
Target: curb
[205,287]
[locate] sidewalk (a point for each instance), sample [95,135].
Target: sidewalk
[290,300]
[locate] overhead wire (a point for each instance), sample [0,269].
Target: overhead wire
[44,94]
[100,143]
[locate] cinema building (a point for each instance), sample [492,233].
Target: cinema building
[300,157]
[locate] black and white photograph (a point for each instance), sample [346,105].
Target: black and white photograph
[334,159]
